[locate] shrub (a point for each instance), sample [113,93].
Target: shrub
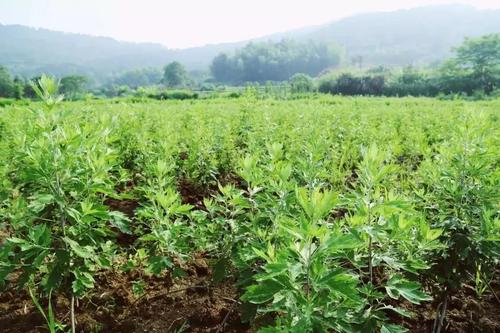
[174,94]
[301,83]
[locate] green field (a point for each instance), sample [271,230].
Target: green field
[321,214]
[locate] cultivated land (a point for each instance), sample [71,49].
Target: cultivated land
[315,214]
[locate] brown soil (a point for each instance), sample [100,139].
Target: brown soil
[166,306]
[126,206]
[194,302]
[467,313]
[339,213]
[193,194]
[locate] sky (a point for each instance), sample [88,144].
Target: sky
[187,23]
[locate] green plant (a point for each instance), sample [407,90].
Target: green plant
[326,213]
[47,89]
[459,198]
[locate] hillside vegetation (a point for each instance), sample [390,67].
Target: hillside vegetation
[405,37]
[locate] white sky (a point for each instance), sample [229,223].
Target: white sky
[185,23]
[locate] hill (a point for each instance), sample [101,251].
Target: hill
[415,36]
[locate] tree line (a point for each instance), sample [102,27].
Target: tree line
[174,75]
[473,70]
[268,61]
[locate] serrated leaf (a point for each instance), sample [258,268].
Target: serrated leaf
[16,240]
[340,282]
[391,328]
[120,221]
[82,281]
[158,264]
[262,292]
[433,234]
[80,251]
[398,286]
[399,311]
[342,242]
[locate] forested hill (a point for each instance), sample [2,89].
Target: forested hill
[27,51]
[420,35]
[415,36]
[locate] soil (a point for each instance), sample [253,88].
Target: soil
[196,305]
[467,312]
[126,206]
[193,194]
[165,306]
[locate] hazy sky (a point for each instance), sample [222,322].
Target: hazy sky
[184,23]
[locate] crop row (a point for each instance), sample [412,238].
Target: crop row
[327,212]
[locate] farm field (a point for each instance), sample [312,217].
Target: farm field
[319,214]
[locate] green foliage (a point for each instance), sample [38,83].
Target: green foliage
[301,83]
[326,212]
[7,87]
[60,229]
[73,86]
[173,94]
[6,102]
[268,61]
[139,78]
[47,89]
[480,59]
[475,70]
[460,196]
[376,38]
[349,84]
[174,75]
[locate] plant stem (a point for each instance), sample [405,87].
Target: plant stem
[441,315]
[370,241]
[492,290]
[223,324]
[73,321]
[370,254]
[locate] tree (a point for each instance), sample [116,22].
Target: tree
[139,78]
[270,61]
[73,85]
[481,57]
[222,69]
[301,83]
[19,86]
[7,86]
[175,75]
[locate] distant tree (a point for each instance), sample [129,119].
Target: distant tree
[373,85]
[451,79]
[139,78]
[349,84]
[223,70]
[7,86]
[19,86]
[270,61]
[481,57]
[353,84]
[301,83]
[72,86]
[412,82]
[175,75]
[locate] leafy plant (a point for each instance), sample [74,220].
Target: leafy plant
[47,89]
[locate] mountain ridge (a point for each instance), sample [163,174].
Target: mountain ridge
[420,35]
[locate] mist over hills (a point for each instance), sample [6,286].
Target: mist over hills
[416,36]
